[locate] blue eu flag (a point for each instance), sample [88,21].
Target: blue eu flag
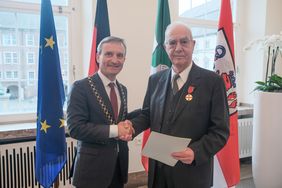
[50,139]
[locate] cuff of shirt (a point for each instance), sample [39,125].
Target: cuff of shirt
[113,131]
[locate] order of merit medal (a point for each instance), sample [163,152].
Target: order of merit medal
[189,95]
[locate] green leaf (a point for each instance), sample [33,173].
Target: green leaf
[273,84]
[261,83]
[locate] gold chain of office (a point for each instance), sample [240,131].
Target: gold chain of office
[102,104]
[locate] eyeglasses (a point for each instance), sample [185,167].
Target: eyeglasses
[183,42]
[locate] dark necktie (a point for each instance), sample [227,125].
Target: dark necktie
[113,98]
[174,84]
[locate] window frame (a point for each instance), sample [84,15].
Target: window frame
[209,24]
[12,72]
[27,57]
[71,13]
[27,35]
[10,39]
[31,82]
[12,53]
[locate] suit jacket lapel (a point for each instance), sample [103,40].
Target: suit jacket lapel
[123,103]
[192,80]
[163,85]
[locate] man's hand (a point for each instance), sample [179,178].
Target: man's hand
[125,130]
[186,156]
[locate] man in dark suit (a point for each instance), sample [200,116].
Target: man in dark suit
[185,101]
[96,105]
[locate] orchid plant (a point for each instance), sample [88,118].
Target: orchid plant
[273,46]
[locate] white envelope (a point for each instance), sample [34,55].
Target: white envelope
[160,146]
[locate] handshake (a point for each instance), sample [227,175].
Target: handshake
[125,130]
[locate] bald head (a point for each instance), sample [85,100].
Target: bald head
[177,26]
[179,45]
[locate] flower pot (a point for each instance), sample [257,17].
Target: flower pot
[267,140]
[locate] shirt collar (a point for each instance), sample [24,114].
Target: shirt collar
[184,74]
[105,80]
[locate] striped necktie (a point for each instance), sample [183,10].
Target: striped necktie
[174,84]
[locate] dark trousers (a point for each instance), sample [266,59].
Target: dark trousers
[117,179]
[163,176]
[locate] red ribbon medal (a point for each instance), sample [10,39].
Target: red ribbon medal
[189,95]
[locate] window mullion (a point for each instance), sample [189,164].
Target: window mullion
[199,23]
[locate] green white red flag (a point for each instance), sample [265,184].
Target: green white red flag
[160,58]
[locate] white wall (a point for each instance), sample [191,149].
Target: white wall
[251,24]
[255,20]
[274,25]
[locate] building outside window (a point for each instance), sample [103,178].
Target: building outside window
[9,38]
[10,57]
[11,75]
[15,74]
[31,77]
[8,75]
[20,31]
[29,39]
[30,58]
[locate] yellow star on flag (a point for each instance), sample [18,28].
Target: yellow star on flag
[62,123]
[44,126]
[50,42]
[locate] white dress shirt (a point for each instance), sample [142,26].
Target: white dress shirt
[183,76]
[113,128]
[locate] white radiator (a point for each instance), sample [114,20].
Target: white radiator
[17,160]
[245,131]
[17,165]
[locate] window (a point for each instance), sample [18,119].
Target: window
[8,74]
[10,58]
[7,57]
[19,29]
[202,16]
[16,74]
[29,39]
[30,59]
[205,46]
[9,38]
[31,75]
[202,9]
[31,78]
[54,2]
[11,75]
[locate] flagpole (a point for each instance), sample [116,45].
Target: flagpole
[57,183]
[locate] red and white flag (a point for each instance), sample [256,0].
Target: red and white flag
[227,166]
